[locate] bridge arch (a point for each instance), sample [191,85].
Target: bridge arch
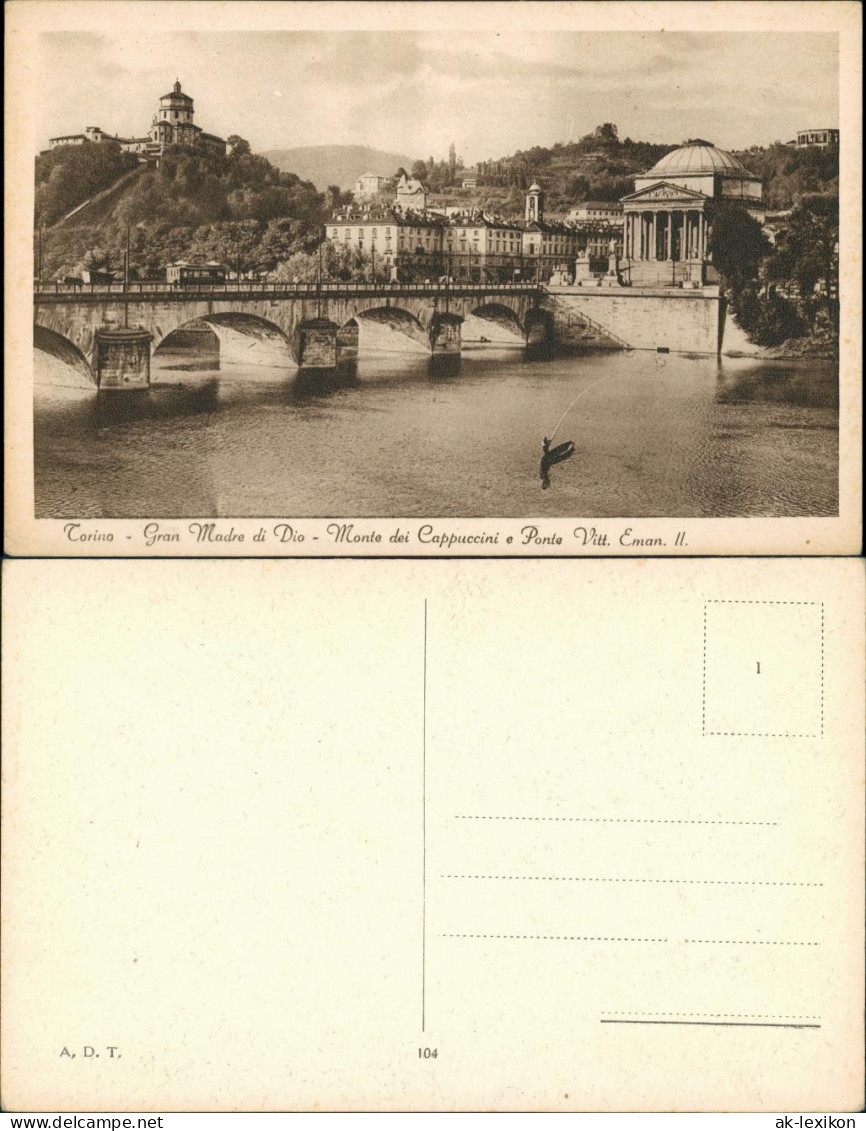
[61,348]
[539,327]
[379,325]
[495,322]
[245,339]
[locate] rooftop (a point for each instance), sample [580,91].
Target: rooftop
[697,157]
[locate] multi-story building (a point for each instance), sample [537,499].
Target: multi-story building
[172,125]
[596,211]
[466,245]
[478,246]
[822,138]
[388,234]
[597,222]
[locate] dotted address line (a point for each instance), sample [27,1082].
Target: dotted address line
[628,880]
[612,820]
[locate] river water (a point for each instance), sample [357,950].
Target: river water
[407,435]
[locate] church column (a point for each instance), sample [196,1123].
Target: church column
[654,235]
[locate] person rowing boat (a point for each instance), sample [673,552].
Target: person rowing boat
[551,456]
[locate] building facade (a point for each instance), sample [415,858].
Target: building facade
[368,184]
[597,222]
[411,194]
[172,125]
[464,245]
[822,138]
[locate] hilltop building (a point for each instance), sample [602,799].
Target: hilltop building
[822,138]
[411,194]
[172,125]
[669,215]
[368,184]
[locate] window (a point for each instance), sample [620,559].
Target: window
[334,233]
[347,234]
[375,231]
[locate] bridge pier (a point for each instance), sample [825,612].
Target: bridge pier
[123,358]
[317,344]
[445,334]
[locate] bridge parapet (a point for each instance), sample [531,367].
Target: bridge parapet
[247,291]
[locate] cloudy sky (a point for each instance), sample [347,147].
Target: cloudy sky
[491,93]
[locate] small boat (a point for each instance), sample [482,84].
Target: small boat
[554,455]
[559,453]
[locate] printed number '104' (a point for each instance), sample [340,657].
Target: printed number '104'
[426,1054]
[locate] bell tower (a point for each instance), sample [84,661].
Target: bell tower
[534,203]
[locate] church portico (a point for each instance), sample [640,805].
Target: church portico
[665,236]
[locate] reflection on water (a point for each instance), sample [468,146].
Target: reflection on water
[445,436]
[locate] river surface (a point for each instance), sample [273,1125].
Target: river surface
[403,435]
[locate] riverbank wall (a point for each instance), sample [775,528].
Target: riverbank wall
[666,318]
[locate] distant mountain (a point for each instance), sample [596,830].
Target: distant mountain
[336,164]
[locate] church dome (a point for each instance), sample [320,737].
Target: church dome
[698,157]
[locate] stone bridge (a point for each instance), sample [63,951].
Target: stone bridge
[110,332]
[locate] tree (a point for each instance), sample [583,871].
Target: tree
[419,170]
[239,146]
[737,246]
[607,131]
[807,254]
[452,161]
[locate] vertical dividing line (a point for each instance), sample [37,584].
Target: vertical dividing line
[424,831]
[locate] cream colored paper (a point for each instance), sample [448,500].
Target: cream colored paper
[532,534]
[270,829]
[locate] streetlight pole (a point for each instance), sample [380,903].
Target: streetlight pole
[126,281]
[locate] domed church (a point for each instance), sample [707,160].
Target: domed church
[669,215]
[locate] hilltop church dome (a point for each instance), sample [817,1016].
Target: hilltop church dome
[698,157]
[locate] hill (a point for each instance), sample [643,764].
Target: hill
[340,165]
[601,166]
[236,209]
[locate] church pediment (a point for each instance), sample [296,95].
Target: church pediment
[663,190]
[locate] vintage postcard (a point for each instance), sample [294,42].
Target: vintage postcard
[295,836]
[433,279]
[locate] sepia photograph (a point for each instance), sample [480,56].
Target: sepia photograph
[331,273]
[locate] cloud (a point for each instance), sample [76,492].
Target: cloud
[415,92]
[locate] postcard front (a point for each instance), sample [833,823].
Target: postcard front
[316,281]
